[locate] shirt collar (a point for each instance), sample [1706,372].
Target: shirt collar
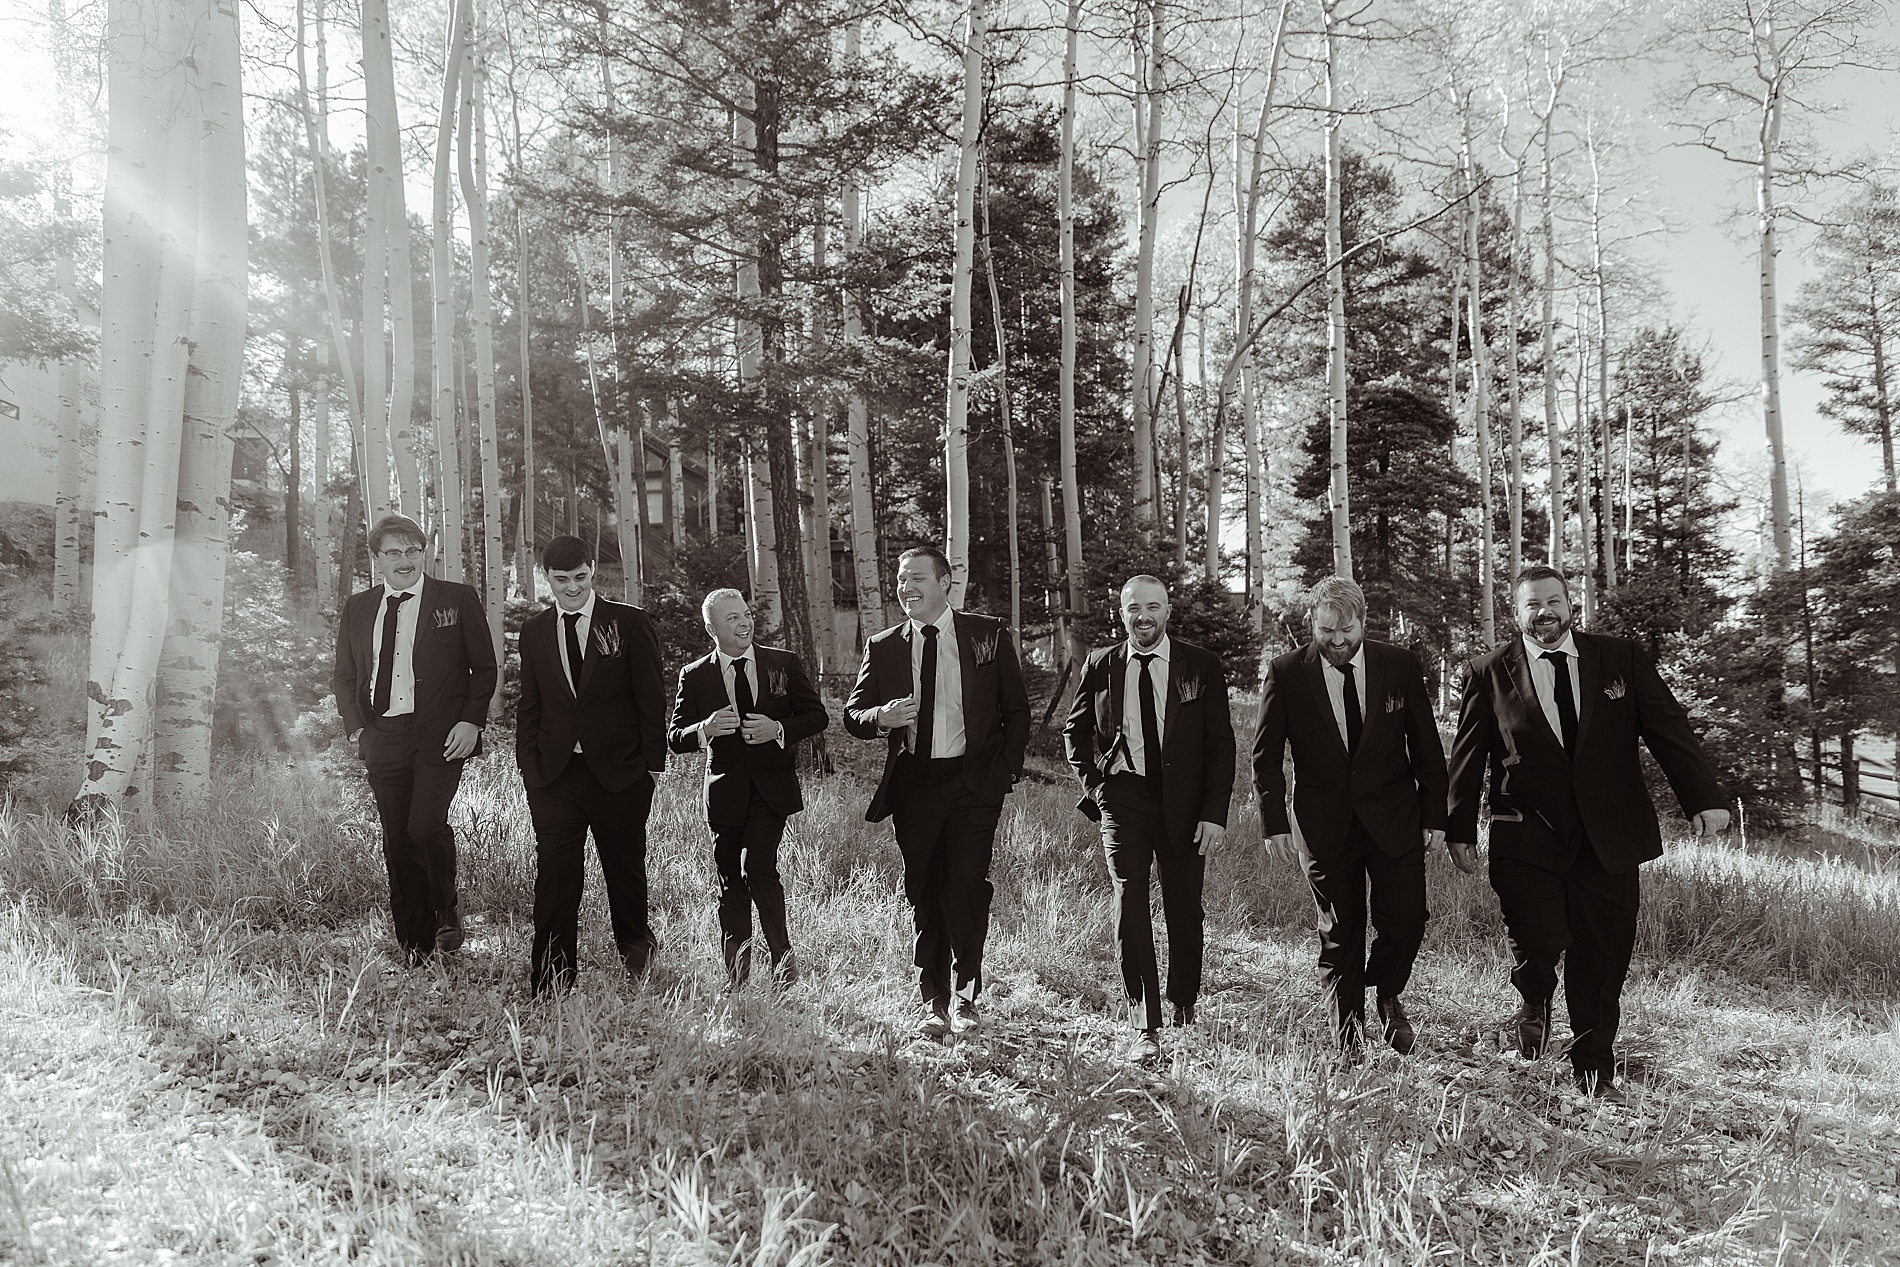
[1568,646]
[945,623]
[586,611]
[414,591]
[725,661]
[1164,650]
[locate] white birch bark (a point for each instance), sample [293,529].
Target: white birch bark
[388,257]
[472,151]
[1547,335]
[378,496]
[1513,370]
[530,538]
[1149,86]
[956,444]
[1599,286]
[442,294]
[1480,380]
[1767,144]
[320,544]
[1338,495]
[1065,213]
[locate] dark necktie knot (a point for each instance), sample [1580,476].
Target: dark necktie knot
[930,632]
[1146,657]
[1555,657]
[397,600]
[742,697]
[1566,698]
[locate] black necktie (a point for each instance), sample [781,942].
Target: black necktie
[1150,726]
[742,690]
[386,663]
[573,638]
[1355,717]
[927,693]
[1566,700]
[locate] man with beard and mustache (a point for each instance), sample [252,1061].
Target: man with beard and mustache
[1554,717]
[1152,741]
[1369,797]
[945,692]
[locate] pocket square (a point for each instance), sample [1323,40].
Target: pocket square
[446,617]
[1188,689]
[607,640]
[1393,703]
[1614,688]
[983,649]
[775,681]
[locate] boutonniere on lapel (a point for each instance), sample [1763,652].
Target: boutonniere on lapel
[1614,688]
[984,646]
[1188,689]
[446,617]
[1393,703]
[607,639]
[775,681]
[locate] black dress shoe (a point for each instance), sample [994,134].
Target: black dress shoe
[738,965]
[935,1020]
[449,935]
[1533,1029]
[1599,1086]
[639,956]
[1183,1015]
[1397,1026]
[785,970]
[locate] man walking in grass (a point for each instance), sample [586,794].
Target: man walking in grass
[590,734]
[1369,795]
[1553,717]
[1151,738]
[748,706]
[945,692]
[414,674]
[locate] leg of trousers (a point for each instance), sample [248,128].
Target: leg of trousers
[746,855]
[946,836]
[1131,829]
[1592,915]
[1398,914]
[413,795]
[563,812]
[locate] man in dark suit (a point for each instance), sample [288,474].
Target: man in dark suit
[1369,798]
[748,706]
[945,692]
[1553,717]
[590,734]
[1152,741]
[415,671]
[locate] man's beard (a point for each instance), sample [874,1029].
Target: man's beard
[1340,655]
[1152,638]
[1552,631]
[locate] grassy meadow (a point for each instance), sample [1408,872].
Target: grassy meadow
[210,1055]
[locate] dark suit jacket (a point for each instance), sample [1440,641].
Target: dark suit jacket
[1197,736]
[619,717]
[454,661]
[1395,782]
[1543,803]
[734,767]
[995,705]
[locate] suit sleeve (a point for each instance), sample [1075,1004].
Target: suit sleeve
[1012,702]
[1470,754]
[1269,756]
[1217,747]
[527,708]
[649,688]
[478,646]
[1426,749]
[681,735]
[1665,728]
[808,710]
[860,710]
[343,675]
[1078,730]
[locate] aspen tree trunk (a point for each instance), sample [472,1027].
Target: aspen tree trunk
[1003,411]
[188,665]
[816,437]
[1606,502]
[1513,370]
[293,475]
[1338,494]
[629,512]
[956,445]
[320,481]
[712,489]
[857,421]
[472,151]
[762,555]
[1480,387]
[1547,333]
[1768,140]
[68,498]
[388,252]
[1149,84]
[448,491]
[376,147]
[1065,213]
[1052,574]
[1883,402]
[530,535]
[1586,547]
[675,487]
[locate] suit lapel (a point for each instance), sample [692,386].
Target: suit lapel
[1589,682]
[1520,667]
[1315,665]
[420,664]
[363,633]
[548,650]
[1177,662]
[603,616]
[1117,684]
[966,658]
[1372,704]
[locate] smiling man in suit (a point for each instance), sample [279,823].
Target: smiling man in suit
[1369,795]
[1553,717]
[748,706]
[945,692]
[590,734]
[415,671]
[1152,741]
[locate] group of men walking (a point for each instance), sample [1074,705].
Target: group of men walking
[1550,722]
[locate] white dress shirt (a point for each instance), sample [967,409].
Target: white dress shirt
[1134,754]
[1336,690]
[582,627]
[946,723]
[1544,677]
[402,679]
[727,672]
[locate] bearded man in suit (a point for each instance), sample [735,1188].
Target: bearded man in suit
[1152,741]
[590,735]
[415,671]
[748,706]
[1553,718]
[945,693]
[1369,795]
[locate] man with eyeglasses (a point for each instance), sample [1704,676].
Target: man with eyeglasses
[415,671]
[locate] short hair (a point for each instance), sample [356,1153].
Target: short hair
[1540,572]
[1337,594]
[714,596]
[938,561]
[1150,579]
[565,553]
[396,526]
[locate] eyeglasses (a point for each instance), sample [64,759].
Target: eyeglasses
[397,556]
